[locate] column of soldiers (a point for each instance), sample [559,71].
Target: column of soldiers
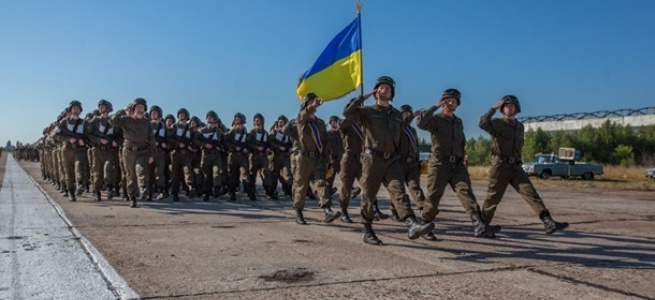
[144,156]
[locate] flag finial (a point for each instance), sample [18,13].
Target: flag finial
[358,6]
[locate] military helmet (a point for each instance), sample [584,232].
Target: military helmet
[183,111]
[169,116]
[305,100]
[334,118]
[89,116]
[258,115]
[140,101]
[213,114]
[75,103]
[513,100]
[106,103]
[284,118]
[452,93]
[157,109]
[406,107]
[241,116]
[95,112]
[389,81]
[197,120]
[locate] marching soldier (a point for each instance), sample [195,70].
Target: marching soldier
[279,162]
[258,158]
[138,146]
[334,152]
[74,149]
[210,140]
[351,164]
[101,134]
[196,153]
[311,160]
[447,165]
[380,161]
[179,138]
[237,145]
[507,134]
[159,155]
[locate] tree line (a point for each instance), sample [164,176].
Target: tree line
[612,144]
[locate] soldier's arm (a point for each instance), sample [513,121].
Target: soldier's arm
[151,140]
[353,109]
[486,123]
[63,131]
[286,130]
[426,121]
[117,118]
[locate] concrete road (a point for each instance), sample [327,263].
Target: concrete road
[41,255]
[254,250]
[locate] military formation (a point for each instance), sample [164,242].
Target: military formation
[143,155]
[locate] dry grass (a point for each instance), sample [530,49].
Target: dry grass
[615,177]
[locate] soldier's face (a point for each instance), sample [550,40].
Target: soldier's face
[334,124]
[406,115]
[211,120]
[169,122]
[155,115]
[194,124]
[450,104]
[258,122]
[139,111]
[509,109]
[238,121]
[384,92]
[76,110]
[103,109]
[281,123]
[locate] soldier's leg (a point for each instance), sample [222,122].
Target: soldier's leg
[68,159]
[301,181]
[177,161]
[81,166]
[217,166]
[244,174]
[267,179]
[189,175]
[97,170]
[254,164]
[373,171]
[413,181]
[393,178]
[499,177]
[347,175]
[438,178]
[141,174]
[461,185]
[130,160]
[318,164]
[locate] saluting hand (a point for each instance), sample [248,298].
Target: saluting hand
[369,94]
[499,104]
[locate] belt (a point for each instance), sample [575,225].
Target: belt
[352,154]
[137,148]
[384,155]
[453,159]
[507,159]
[311,154]
[211,150]
[411,159]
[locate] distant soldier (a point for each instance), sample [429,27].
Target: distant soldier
[169,121]
[157,169]
[258,143]
[279,162]
[74,154]
[138,146]
[236,141]
[311,160]
[447,165]
[507,135]
[210,140]
[381,161]
[334,152]
[103,142]
[179,138]
[196,154]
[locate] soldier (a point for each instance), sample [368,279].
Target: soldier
[258,158]
[169,121]
[210,140]
[138,145]
[506,168]
[409,155]
[179,138]
[447,165]
[279,161]
[237,145]
[380,160]
[311,160]
[196,155]
[74,150]
[103,142]
[159,154]
[334,152]
[351,164]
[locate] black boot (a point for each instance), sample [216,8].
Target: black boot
[356,191]
[344,216]
[481,229]
[250,188]
[96,196]
[133,205]
[551,225]
[216,192]
[205,197]
[429,236]
[300,219]
[370,237]
[176,197]
[80,189]
[416,228]
[71,195]
[330,215]
[394,216]
[377,213]
[160,195]
[143,194]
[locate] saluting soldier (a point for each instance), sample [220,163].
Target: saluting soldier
[103,141]
[158,168]
[447,165]
[138,144]
[74,149]
[507,134]
[311,160]
[351,164]
[179,138]
[380,160]
[210,140]
[279,161]
[258,159]
[236,141]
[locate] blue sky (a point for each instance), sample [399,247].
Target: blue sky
[556,56]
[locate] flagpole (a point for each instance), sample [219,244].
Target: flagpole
[358,6]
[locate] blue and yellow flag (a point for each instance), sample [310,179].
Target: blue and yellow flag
[338,71]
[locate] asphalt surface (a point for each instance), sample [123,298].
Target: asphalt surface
[254,250]
[41,255]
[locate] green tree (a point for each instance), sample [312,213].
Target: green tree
[623,155]
[535,142]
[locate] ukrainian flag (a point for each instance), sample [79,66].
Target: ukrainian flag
[338,71]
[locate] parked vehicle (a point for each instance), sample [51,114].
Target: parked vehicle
[650,173]
[547,165]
